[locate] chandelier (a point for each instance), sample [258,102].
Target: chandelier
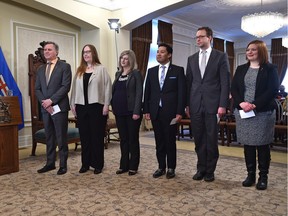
[262,24]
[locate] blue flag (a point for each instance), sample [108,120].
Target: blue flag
[8,86]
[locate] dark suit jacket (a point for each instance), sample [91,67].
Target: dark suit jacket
[213,90]
[58,86]
[267,84]
[173,93]
[134,91]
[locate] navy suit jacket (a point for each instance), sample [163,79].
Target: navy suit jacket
[173,93]
[58,86]
[211,91]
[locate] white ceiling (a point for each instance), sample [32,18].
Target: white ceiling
[224,16]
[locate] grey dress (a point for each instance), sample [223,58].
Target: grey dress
[258,130]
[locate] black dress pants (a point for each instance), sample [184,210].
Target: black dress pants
[129,141]
[92,125]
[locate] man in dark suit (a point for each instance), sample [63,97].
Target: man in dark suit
[207,97]
[164,100]
[52,86]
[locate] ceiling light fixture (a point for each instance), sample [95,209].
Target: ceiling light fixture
[262,24]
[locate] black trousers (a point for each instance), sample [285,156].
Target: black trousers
[91,124]
[129,141]
[165,137]
[205,131]
[56,127]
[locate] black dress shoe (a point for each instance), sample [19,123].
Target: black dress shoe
[120,171]
[198,176]
[62,170]
[46,169]
[262,183]
[83,169]
[97,171]
[132,172]
[209,177]
[170,173]
[158,173]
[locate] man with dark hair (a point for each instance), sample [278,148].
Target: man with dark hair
[164,104]
[52,86]
[207,98]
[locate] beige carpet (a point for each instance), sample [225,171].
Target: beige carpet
[29,193]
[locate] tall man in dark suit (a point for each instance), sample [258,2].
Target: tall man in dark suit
[207,90]
[164,100]
[52,86]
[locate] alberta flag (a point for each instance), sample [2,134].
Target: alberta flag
[7,83]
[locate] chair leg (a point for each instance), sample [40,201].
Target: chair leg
[34,145]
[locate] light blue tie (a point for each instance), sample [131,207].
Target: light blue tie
[162,77]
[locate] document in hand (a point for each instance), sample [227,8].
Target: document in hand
[244,115]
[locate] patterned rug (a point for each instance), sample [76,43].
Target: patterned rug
[29,193]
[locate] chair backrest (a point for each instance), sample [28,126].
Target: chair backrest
[281,111]
[35,61]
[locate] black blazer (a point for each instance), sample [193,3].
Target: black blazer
[267,85]
[213,90]
[58,86]
[134,91]
[173,93]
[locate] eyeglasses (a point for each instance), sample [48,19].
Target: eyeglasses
[252,49]
[200,36]
[86,52]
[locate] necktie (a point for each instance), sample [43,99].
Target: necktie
[203,63]
[162,77]
[47,74]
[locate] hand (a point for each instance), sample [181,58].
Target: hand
[74,111]
[221,112]
[105,110]
[187,112]
[178,117]
[46,103]
[147,116]
[135,117]
[246,106]
[50,109]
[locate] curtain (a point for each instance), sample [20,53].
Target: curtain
[141,40]
[218,44]
[231,56]
[279,57]
[165,33]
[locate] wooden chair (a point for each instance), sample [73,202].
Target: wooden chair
[111,133]
[280,127]
[184,124]
[38,132]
